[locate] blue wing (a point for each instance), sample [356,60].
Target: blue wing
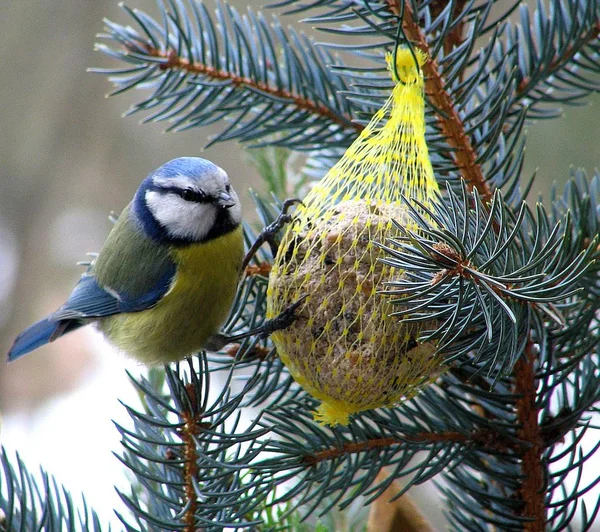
[88,300]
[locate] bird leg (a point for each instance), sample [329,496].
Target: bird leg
[285,318]
[282,321]
[269,232]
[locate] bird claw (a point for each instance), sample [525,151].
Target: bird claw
[284,217]
[273,228]
[270,231]
[282,321]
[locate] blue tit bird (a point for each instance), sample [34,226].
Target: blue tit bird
[165,279]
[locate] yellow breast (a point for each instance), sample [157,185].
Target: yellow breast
[193,309]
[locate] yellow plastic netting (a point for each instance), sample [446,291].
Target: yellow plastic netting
[344,348]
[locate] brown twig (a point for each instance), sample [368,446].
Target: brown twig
[482,438]
[531,491]
[190,471]
[176,62]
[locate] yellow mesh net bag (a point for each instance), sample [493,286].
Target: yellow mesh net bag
[345,349]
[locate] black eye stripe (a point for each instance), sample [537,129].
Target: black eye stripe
[192,195]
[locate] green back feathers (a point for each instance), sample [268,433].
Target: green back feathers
[128,250]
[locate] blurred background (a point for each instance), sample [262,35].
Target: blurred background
[67,159]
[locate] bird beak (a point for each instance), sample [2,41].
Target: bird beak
[225,200]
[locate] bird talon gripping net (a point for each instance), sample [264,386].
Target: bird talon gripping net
[344,348]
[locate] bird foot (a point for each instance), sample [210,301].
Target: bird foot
[270,231]
[282,321]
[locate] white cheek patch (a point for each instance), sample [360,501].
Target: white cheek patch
[180,218]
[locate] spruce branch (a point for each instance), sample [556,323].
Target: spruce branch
[203,71]
[179,441]
[171,61]
[558,54]
[540,74]
[554,351]
[267,82]
[302,454]
[39,502]
[505,274]
[482,439]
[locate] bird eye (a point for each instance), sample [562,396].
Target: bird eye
[188,195]
[228,188]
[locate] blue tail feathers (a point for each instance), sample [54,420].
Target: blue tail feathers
[38,334]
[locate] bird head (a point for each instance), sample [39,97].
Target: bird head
[187,200]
